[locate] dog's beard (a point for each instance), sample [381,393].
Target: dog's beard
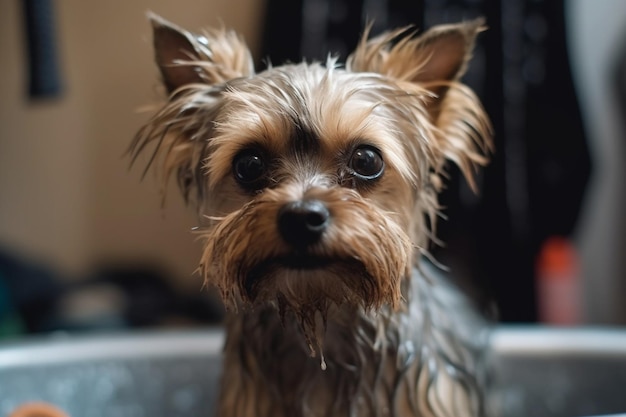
[359,262]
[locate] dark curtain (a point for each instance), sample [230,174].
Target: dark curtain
[534,185]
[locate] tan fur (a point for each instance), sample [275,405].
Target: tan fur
[394,341]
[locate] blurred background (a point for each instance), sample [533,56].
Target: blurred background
[85,244]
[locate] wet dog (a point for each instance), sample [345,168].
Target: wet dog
[316,185]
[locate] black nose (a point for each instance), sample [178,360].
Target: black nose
[302,223]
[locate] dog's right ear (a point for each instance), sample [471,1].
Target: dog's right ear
[190,66]
[183,58]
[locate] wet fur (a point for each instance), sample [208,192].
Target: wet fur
[394,340]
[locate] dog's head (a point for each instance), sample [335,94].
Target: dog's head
[317,183]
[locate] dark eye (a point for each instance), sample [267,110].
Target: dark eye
[249,168]
[367,163]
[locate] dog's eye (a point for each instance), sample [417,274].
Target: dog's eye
[249,168]
[367,163]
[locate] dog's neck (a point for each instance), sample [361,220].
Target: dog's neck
[267,336]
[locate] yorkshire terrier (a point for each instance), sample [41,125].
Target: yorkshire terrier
[316,186]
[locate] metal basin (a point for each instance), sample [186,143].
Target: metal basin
[538,372]
[559,372]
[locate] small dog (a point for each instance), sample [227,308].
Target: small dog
[316,186]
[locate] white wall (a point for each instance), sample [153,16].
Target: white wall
[596,30]
[66,195]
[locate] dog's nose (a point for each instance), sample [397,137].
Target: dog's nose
[303,222]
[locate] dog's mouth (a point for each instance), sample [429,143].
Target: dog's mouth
[303,262]
[299,264]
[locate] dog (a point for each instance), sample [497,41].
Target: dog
[316,187]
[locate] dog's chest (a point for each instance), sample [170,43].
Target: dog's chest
[418,362]
[279,378]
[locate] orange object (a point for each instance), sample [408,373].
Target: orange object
[38,409]
[558,287]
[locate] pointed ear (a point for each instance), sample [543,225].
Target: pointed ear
[185,58]
[433,59]
[433,63]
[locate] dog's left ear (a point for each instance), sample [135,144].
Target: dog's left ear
[185,58]
[433,63]
[434,59]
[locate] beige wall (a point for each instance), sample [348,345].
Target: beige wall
[66,195]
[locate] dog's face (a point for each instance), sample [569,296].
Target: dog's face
[318,183]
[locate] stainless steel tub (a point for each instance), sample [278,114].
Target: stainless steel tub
[548,372]
[538,372]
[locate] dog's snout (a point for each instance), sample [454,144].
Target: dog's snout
[303,222]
